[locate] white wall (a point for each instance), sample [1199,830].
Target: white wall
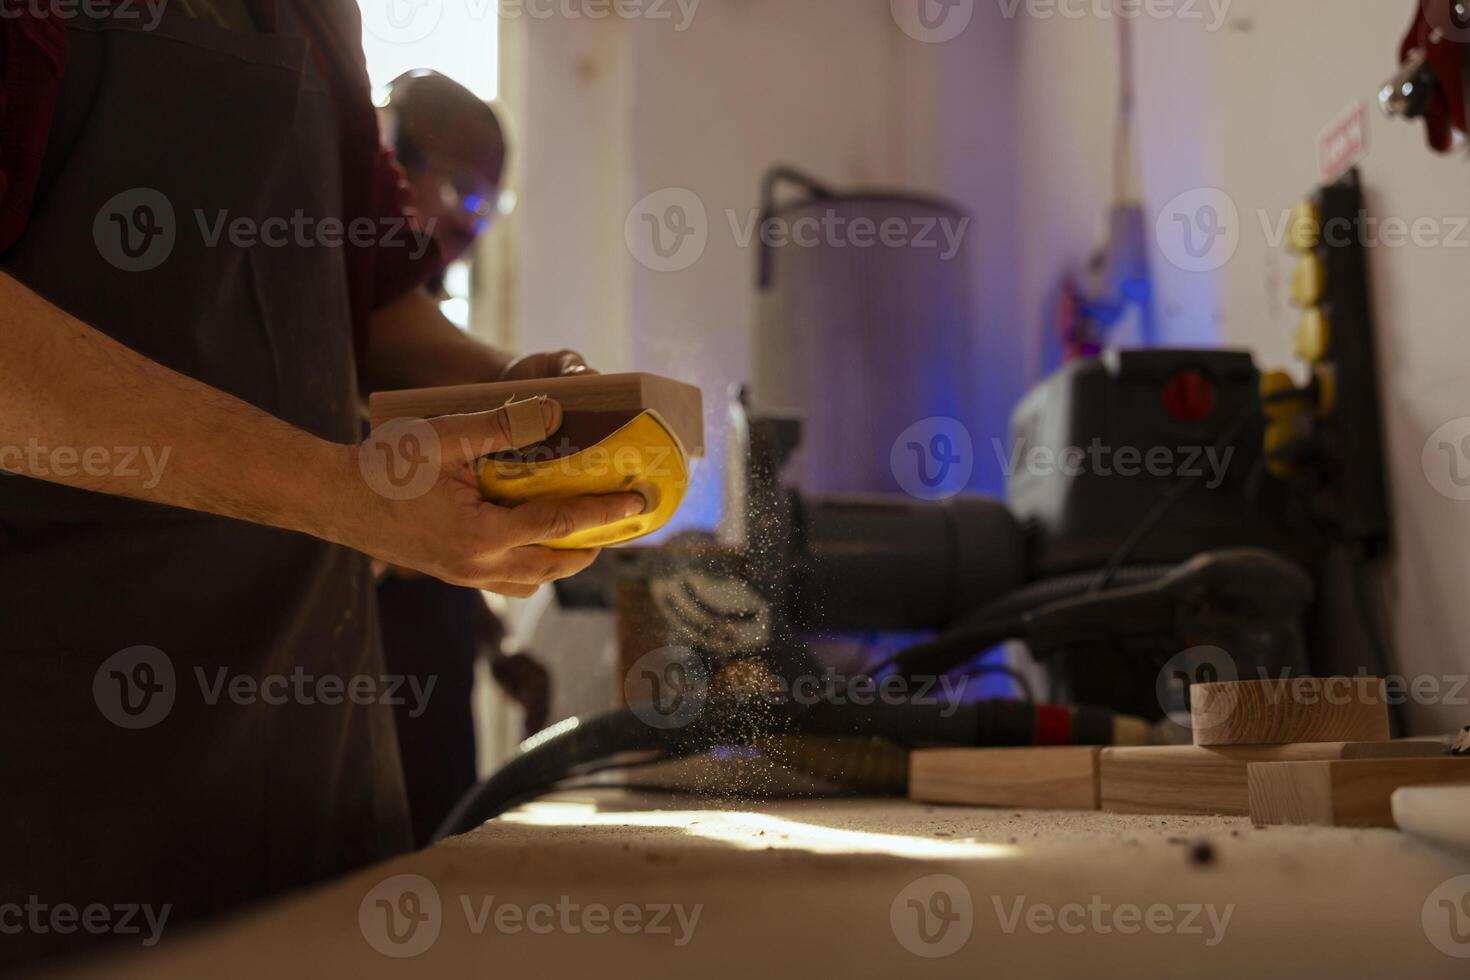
[564,85]
[1066,92]
[1240,109]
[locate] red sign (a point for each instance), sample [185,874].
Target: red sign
[1343,143]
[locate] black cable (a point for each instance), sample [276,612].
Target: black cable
[1044,592]
[1022,682]
[1376,638]
[938,656]
[1140,531]
[594,769]
[1371,615]
[740,720]
[1003,619]
[1161,509]
[545,762]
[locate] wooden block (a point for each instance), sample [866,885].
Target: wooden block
[1289,709]
[1050,778]
[593,404]
[1347,793]
[1196,779]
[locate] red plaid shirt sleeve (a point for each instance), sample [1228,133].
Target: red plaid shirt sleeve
[33,60]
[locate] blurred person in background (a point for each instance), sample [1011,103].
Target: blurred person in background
[454,152]
[453,149]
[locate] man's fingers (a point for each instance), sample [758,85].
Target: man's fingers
[510,589]
[552,520]
[469,437]
[570,362]
[532,566]
[547,364]
[522,571]
[536,565]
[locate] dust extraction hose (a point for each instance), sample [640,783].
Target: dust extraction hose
[741,719]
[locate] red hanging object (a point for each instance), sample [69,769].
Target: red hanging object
[1431,84]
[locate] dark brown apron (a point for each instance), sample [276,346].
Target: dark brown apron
[120,783]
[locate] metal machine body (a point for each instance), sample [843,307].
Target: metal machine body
[1095,446]
[979,571]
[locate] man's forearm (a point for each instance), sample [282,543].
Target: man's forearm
[412,345]
[66,388]
[70,397]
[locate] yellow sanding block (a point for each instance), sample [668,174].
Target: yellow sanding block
[619,432]
[644,457]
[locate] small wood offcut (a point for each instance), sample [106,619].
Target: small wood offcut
[1286,750]
[593,405]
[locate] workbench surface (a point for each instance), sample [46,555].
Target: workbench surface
[835,888]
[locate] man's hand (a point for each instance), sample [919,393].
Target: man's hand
[553,364]
[434,521]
